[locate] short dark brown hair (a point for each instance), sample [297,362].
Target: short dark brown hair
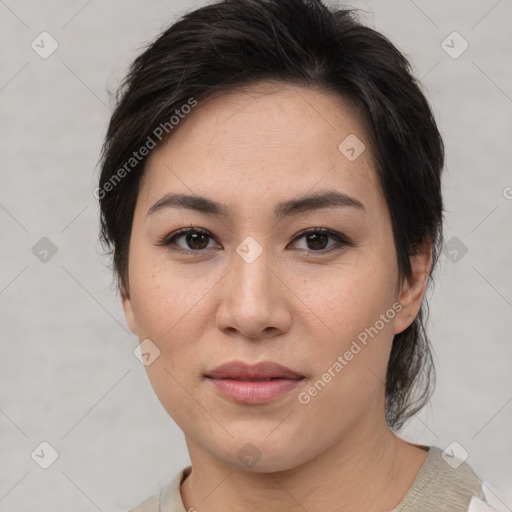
[234,43]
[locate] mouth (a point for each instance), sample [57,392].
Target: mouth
[252,380]
[262,371]
[253,384]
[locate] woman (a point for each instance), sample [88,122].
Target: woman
[271,193]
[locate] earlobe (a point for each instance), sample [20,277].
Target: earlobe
[128,311]
[413,289]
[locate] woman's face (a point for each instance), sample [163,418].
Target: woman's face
[252,288]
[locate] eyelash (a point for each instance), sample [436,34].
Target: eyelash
[341,240]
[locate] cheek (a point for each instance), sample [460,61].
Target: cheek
[167,298]
[172,312]
[351,361]
[357,306]
[352,297]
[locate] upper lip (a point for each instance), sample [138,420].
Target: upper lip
[262,370]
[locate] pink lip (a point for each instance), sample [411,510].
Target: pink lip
[245,371]
[239,381]
[251,392]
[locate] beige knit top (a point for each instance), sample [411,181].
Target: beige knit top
[438,487]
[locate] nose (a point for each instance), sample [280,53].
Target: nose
[255,300]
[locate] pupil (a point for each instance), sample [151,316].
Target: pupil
[315,239]
[192,239]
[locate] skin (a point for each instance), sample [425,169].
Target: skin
[298,303]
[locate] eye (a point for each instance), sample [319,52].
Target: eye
[317,239]
[198,239]
[194,239]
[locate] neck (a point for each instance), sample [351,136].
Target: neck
[369,466]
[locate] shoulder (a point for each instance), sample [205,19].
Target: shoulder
[151,504]
[169,497]
[444,484]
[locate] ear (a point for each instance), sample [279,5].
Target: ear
[413,290]
[128,310]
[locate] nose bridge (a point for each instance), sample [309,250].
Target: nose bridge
[251,303]
[251,272]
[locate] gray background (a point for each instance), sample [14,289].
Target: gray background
[68,373]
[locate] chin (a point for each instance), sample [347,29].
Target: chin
[259,455]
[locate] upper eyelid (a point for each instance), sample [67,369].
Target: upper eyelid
[182,232]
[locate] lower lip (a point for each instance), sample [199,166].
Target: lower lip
[254,392]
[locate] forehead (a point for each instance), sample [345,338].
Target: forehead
[263,139]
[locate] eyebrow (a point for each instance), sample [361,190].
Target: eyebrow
[317,201]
